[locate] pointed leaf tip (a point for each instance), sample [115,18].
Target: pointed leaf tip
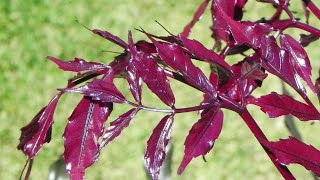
[202,136]
[156,146]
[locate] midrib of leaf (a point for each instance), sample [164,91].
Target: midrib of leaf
[290,110]
[161,140]
[298,157]
[85,132]
[203,132]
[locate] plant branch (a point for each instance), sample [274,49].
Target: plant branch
[255,129]
[314,9]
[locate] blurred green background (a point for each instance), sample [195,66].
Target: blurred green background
[32,30]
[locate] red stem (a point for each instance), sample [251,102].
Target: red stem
[255,129]
[313,8]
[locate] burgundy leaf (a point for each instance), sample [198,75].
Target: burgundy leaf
[277,62]
[243,33]
[120,63]
[146,47]
[174,56]
[100,89]
[117,126]
[275,105]
[196,17]
[110,37]
[202,53]
[85,126]
[202,136]
[152,74]
[317,85]
[292,151]
[298,58]
[305,40]
[78,65]
[133,75]
[156,146]
[38,131]
[135,82]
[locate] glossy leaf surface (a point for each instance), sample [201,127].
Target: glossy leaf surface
[117,126]
[156,146]
[107,35]
[78,65]
[38,131]
[100,89]
[291,151]
[298,58]
[174,56]
[202,136]
[275,105]
[85,126]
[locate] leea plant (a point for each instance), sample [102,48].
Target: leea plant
[269,50]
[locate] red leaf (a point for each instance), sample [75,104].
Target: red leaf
[292,151]
[78,65]
[298,59]
[275,105]
[152,74]
[243,33]
[100,89]
[116,126]
[110,37]
[156,146]
[202,136]
[133,75]
[277,62]
[196,17]
[174,56]
[85,126]
[38,131]
[202,53]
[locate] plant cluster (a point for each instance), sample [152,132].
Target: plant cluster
[229,87]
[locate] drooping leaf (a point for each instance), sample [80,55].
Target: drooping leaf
[275,105]
[298,58]
[202,136]
[38,131]
[85,126]
[152,74]
[117,126]
[78,65]
[156,146]
[107,35]
[196,17]
[174,56]
[292,151]
[100,89]
[277,62]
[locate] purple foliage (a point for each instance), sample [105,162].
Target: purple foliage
[229,87]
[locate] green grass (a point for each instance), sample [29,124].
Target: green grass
[31,30]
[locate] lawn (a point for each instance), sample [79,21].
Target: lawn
[32,30]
